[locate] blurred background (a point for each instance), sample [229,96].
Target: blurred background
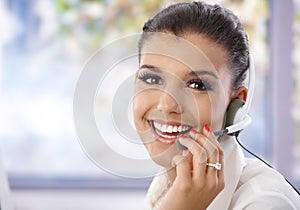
[44,45]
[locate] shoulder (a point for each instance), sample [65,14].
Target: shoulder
[261,187]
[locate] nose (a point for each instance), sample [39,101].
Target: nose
[168,103]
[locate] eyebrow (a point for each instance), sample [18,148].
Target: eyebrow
[192,73]
[203,72]
[151,68]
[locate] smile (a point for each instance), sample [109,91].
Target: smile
[168,132]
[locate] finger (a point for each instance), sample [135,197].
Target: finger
[215,178]
[208,142]
[183,169]
[194,148]
[199,161]
[213,158]
[212,145]
[199,157]
[207,133]
[221,160]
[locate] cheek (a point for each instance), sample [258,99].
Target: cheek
[204,112]
[218,110]
[140,108]
[137,109]
[217,115]
[211,111]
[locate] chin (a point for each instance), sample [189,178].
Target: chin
[162,154]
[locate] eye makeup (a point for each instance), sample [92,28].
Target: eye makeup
[199,85]
[149,78]
[196,80]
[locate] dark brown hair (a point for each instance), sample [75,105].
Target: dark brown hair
[215,22]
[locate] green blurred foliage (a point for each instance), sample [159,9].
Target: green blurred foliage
[89,24]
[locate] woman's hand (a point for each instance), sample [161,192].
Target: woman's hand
[196,184]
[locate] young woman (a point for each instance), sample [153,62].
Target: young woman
[194,58]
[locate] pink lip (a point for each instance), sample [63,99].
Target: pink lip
[160,138]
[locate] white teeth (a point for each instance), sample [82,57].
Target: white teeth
[169,128]
[179,129]
[175,129]
[157,125]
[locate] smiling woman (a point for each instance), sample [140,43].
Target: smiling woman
[193,60]
[181,94]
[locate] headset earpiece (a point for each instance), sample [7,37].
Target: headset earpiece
[232,115]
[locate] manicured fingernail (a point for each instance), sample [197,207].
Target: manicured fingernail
[183,137]
[193,131]
[207,128]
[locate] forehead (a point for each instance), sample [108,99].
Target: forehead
[194,51]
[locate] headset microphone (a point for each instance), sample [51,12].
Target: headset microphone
[235,127]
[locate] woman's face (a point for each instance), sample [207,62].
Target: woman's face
[182,84]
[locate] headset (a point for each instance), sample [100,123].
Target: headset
[237,114]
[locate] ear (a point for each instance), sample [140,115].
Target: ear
[241,93]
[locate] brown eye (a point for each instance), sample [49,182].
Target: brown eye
[199,85]
[150,79]
[153,80]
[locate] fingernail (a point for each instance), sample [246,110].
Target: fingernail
[207,128]
[183,137]
[194,131]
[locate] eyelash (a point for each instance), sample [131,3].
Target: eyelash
[145,76]
[203,85]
